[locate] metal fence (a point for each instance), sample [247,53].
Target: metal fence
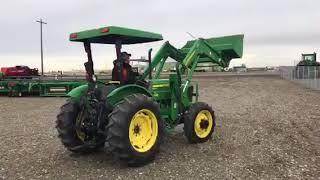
[308,76]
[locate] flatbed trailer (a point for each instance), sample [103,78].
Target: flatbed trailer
[49,86]
[26,87]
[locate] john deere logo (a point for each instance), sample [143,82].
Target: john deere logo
[160,85]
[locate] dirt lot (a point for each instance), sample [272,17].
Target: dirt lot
[266,128]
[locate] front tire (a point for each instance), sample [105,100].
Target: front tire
[199,123]
[135,130]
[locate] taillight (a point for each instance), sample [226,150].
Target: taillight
[73,35]
[104,30]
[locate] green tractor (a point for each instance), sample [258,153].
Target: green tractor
[308,67]
[130,119]
[308,60]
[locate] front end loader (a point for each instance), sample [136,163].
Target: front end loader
[130,119]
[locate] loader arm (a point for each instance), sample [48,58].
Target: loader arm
[186,59]
[219,51]
[200,49]
[166,50]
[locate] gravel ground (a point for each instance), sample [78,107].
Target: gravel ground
[267,128]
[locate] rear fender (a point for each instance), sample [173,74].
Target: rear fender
[120,93]
[115,96]
[78,92]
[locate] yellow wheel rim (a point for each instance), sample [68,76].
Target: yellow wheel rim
[81,135]
[143,130]
[203,124]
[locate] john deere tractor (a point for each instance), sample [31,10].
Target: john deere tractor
[130,119]
[308,67]
[308,60]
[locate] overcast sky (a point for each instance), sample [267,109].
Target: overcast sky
[276,31]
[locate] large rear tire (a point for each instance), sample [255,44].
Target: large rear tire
[199,123]
[69,134]
[135,130]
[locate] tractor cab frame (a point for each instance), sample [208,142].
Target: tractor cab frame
[112,35]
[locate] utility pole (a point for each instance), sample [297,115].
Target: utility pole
[41,43]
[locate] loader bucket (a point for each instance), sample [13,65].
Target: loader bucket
[229,47]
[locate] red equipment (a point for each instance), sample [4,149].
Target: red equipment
[19,71]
